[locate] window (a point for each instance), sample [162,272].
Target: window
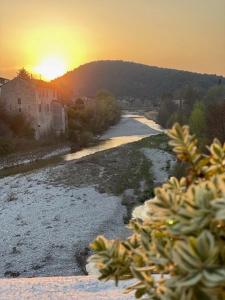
[47,107]
[19,100]
[39,107]
[20,110]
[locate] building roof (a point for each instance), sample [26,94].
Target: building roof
[37,83]
[3,81]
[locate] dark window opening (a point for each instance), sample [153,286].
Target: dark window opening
[19,100]
[20,110]
[39,107]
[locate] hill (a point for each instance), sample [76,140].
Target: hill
[128,79]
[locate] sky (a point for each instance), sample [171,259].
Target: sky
[61,35]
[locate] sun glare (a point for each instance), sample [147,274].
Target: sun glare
[50,68]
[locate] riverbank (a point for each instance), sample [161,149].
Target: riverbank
[28,157]
[51,209]
[47,217]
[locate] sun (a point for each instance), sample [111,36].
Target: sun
[51,68]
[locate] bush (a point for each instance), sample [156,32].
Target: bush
[86,121]
[6,146]
[180,234]
[20,126]
[14,125]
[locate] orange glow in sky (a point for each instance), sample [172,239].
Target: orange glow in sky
[51,37]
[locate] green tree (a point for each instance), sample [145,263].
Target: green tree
[191,95]
[84,121]
[215,115]
[166,110]
[215,95]
[197,120]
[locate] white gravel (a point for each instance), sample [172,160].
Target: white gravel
[42,225]
[160,158]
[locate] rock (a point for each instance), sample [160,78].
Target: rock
[11,274]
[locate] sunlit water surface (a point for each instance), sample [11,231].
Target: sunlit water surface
[131,128]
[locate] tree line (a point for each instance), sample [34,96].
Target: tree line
[203,112]
[127,79]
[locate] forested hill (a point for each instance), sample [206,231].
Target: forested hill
[131,79]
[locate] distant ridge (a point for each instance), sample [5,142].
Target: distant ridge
[129,79]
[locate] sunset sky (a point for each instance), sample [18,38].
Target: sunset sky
[61,35]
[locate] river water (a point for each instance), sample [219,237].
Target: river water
[130,129]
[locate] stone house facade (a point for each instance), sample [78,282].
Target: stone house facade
[2,82]
[38,101]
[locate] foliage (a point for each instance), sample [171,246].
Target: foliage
[167,109]
[23,74]
[215,94]
[177,117]
[205,114]
[6,146]
[191,96]
[12,128]
[20,126]
[86,120]
[180,234]
[215,118]
[197,121]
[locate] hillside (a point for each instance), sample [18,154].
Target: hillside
[127,79]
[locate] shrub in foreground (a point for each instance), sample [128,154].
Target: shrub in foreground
[180,234]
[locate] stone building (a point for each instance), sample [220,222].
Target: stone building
[2,82]
[38,101]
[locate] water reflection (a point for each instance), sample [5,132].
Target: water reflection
[131,128]
[104,145]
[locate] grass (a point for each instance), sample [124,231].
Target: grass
[159,141]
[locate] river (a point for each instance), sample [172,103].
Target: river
[131,128]
[49,212]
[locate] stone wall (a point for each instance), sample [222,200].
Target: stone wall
[37,101]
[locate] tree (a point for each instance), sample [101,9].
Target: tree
[84,121]
[216,94]
[191,96]
[177,117]
[180,234]
[215,116]
[197,120]
[166,110]
[23,74]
